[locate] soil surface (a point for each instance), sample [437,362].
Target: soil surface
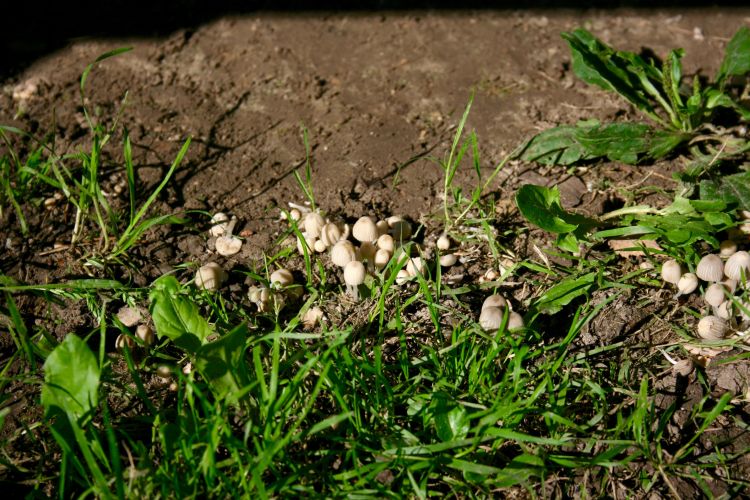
[380,96]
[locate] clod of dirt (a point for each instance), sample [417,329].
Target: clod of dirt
[728,374]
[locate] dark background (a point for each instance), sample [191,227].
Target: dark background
[31,29]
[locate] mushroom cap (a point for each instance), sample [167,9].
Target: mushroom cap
[515,320]
[495,300]
[365,230]
[448,260]
[320,246]
[354,273]
[402,277]
[687,284]
[282,277]
[714,294]
[367,251]
[416,266]
[738,265]
[123,340]
[385,242]
[491,318]
[723,310]
[145,333]
[443,242]
[381,258]
[342,253]
[314,222]
[330,234]
[228,245]
[727,248]
[382,226]
[309,242]
[129,316]
[712,328]
[210,276]
[219,223]
[710,268]
[671,271]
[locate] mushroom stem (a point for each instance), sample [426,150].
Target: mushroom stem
[353,291]
[230,226]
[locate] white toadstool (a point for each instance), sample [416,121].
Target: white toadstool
[712,328]
[710,268]
[727,248]
[312,317]
[402,277]
[320,246]
[515,320]
[261,297]
[495,300]
[687,284]
[714,294]
[443,242]
[491,318]
[416,266]
[364,230]
[354,275]
[382,226]
[314,222]
[385,242]
[129,316]
[381,258]
[738,266]
[342,253]
[448,260]
[210,276]
[330,234]
[671,271]
[228,244]
[219,224]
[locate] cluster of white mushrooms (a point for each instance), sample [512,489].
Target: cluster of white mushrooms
[130,317]
[493,311]
[724,274]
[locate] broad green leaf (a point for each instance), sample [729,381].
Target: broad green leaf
[541,206]
[736,56]
[663,142]
[451,419]
[597,63]
[71,379]
[623,142]
[176,316]
[556,146]
[222,363]
[563,293]
[733,190]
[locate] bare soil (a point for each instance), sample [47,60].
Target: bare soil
[374,91]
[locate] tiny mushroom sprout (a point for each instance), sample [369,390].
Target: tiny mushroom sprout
[491,318]
[385,242]
[354,275]
[448,260]
[364,230]
[210,276]
[122,341]
[515,320]
[219,224]
[714,294]
[671,271]
[495,300]
[261,297]
[381,258]
[330,234]
[727,248]
[738,266]
[443,242]
[710,268]
[342,253]
[228,244]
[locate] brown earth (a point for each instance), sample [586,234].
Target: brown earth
[374,91]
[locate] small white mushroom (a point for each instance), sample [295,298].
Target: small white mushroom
[314,222]
[210,276]
[727,248]
[330,234]
[416,266]
[381,258]
[228,244]
[364,230]
[443,242]
[306,242]
[738,265]
[710,268]
[281,278]
[402,277]
[515,321]
[723,310]
[491,318]
[312,317]
[495,300]
[129,316]
[671,271]
[354,275]
[219,224]
[382,226]
[385,242]
[261,297]
[342,253]
[319,246]
[448,260]
[712,328]
[145,334]
[714,294]
[122,341]
[687,284]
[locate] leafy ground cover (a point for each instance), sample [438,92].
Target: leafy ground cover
[166,387]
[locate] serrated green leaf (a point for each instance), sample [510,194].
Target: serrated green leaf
[222,363]
[563,293]
[734,190]
[176,316]
[736,56]
[623,142]
[71,379]
[555,146]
